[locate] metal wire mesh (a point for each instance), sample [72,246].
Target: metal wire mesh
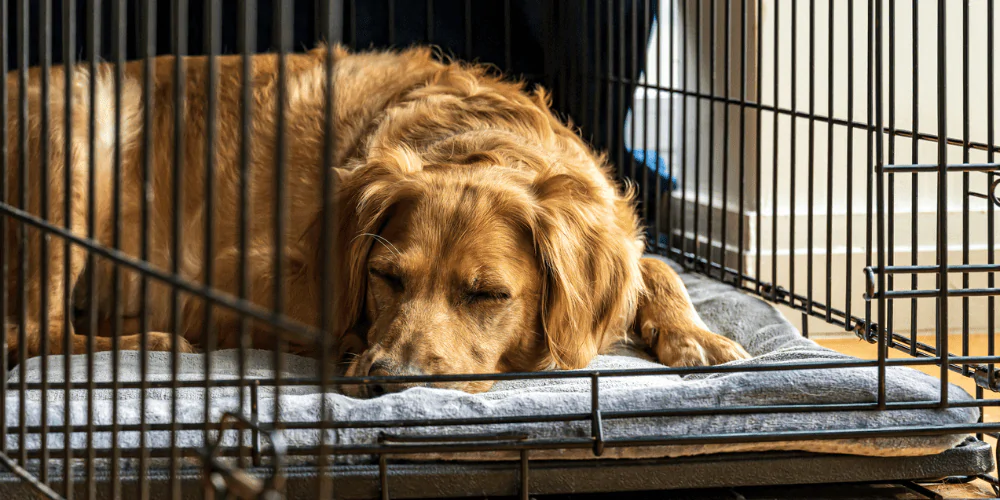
[674,90]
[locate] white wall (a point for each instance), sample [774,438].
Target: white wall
[782,164]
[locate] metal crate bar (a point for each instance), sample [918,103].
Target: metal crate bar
[951,167]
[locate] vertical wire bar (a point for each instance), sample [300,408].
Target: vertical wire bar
[850,164]
[557,61]
[657,193]
[177,324]
[430,20]
[69,25]
[869,177]
[670,125]
[119,41]
[914,179]
[354,23]
[740,257]
[508,58]
[6,243]
[549,72]
[965,178]
[880,189]
[248,19]
[595,414]
[647,6]
[622,109]
[212,27]
[149,41]
[812,164]
[942,208]
[990,221]
[45,53]
[22,35]
[634,77]
[383,476]
[775,154]
[525,488]
[696,208]
[177,328]
[609,77]
[391,18]
[891,209]
[869,174]
[760,95]
[280,210]
[317,9]
[585,76]
[596,117]
[255,418]
[683,76]
[576,83]
[468,30]
[93,42]
[727,74]
[328,294]
[711,135]
[791,158]
[829,161]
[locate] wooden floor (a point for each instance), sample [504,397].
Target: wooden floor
[977,347]
[812,492]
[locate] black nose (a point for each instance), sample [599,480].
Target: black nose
[377,390]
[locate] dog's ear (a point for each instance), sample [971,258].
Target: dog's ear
[365,199]
[590,262]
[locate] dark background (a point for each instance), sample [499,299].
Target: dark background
[586,52]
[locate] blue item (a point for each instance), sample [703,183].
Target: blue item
[656,164]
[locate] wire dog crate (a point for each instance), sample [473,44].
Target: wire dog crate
[786,148]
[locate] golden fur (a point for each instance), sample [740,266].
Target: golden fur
[475,232]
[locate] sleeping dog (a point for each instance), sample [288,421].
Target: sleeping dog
[475,232]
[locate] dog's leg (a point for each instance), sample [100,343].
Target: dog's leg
[28,283]
[668,323]
[300,290]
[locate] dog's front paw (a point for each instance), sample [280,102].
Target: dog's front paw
[692,347]
[157,341]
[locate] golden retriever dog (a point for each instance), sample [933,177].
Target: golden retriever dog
[475,231]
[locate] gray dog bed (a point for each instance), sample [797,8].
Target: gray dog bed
[750,321]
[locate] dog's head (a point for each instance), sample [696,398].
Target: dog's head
[482,254]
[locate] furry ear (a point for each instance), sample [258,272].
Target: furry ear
[342,176]
[591,258]
[365,197]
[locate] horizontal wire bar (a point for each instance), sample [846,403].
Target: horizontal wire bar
[533,419]
[587,443]
[897,132]
[474,377]
[952,167]
[556,375]
[934,293]
[503,436]
[963,268]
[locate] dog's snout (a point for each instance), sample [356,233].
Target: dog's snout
[387,368]
[381,367]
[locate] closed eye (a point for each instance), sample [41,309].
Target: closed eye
[475,296]
[393,280]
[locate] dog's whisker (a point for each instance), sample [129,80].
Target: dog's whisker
[385,243]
